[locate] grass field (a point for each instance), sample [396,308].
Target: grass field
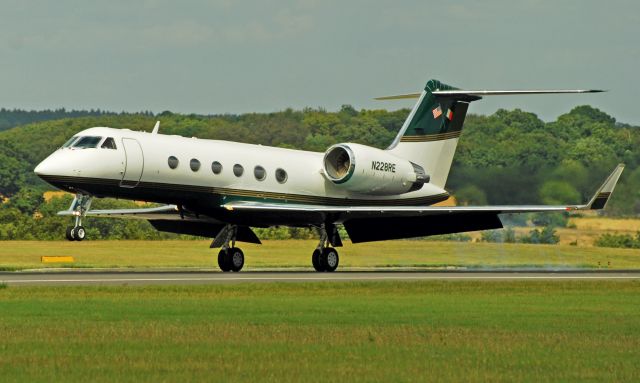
[296,253]
[583,231]
[408,331]
[606,224]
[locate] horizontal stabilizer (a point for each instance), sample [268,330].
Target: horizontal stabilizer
[480,93]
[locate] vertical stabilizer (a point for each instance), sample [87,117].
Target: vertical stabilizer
[430,134]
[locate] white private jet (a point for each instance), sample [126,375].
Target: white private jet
[220,189]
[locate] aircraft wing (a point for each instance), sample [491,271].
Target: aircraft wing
[363,223]
[373,223]
[597,202]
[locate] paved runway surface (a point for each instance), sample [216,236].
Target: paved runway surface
[198,277]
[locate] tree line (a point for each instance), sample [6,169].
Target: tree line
[10,118]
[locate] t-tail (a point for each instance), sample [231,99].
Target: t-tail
[429,135]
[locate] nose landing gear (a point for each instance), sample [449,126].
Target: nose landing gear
[79,206]
[75,233]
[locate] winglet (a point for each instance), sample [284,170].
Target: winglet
[156,127]
[601,197]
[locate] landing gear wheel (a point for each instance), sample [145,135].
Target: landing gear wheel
[69,233]
[329,259]
[78,233]
[235,258]
[315,260]
[223,260]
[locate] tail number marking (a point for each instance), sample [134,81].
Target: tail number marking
[383,166]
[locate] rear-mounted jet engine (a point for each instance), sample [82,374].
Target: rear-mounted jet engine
[363,169]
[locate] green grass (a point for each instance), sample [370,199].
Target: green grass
[390,331]
[297,253]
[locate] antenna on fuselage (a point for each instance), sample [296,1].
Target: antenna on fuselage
[156,127]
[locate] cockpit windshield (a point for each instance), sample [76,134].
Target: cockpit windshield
[87,142]
[69,142]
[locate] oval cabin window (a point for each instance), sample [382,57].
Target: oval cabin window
[173,162]
[281,175]
[238,170]
[194,165]
[216,167]
[259,173]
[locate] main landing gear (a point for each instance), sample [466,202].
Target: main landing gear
[325,258]
[230,257]
[79,207]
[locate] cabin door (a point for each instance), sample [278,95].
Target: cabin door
[134,163]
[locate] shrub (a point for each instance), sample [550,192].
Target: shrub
[545,236]
[507,235]
[457,237]
[550,219]
[619,240]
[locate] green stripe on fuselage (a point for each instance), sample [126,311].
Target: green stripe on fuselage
[328,201]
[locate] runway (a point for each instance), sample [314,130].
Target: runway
[74,278]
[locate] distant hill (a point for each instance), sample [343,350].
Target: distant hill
[10,118]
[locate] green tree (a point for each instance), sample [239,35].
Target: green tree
[471,195]
[559,193]
[27,200]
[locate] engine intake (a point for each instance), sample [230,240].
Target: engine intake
[339,163]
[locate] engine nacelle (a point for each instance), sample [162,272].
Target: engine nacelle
[363,169]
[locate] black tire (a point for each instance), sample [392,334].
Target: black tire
[329,259]
[235,259]
[69,233]
[79,233]
[315,260]
[223,261]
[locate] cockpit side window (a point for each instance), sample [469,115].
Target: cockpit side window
[87,142]
[109,143]
[69,142]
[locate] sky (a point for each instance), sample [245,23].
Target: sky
[223,56]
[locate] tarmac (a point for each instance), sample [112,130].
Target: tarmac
[169,277]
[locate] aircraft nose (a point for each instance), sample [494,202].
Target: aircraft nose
[46,168]
[41,169]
